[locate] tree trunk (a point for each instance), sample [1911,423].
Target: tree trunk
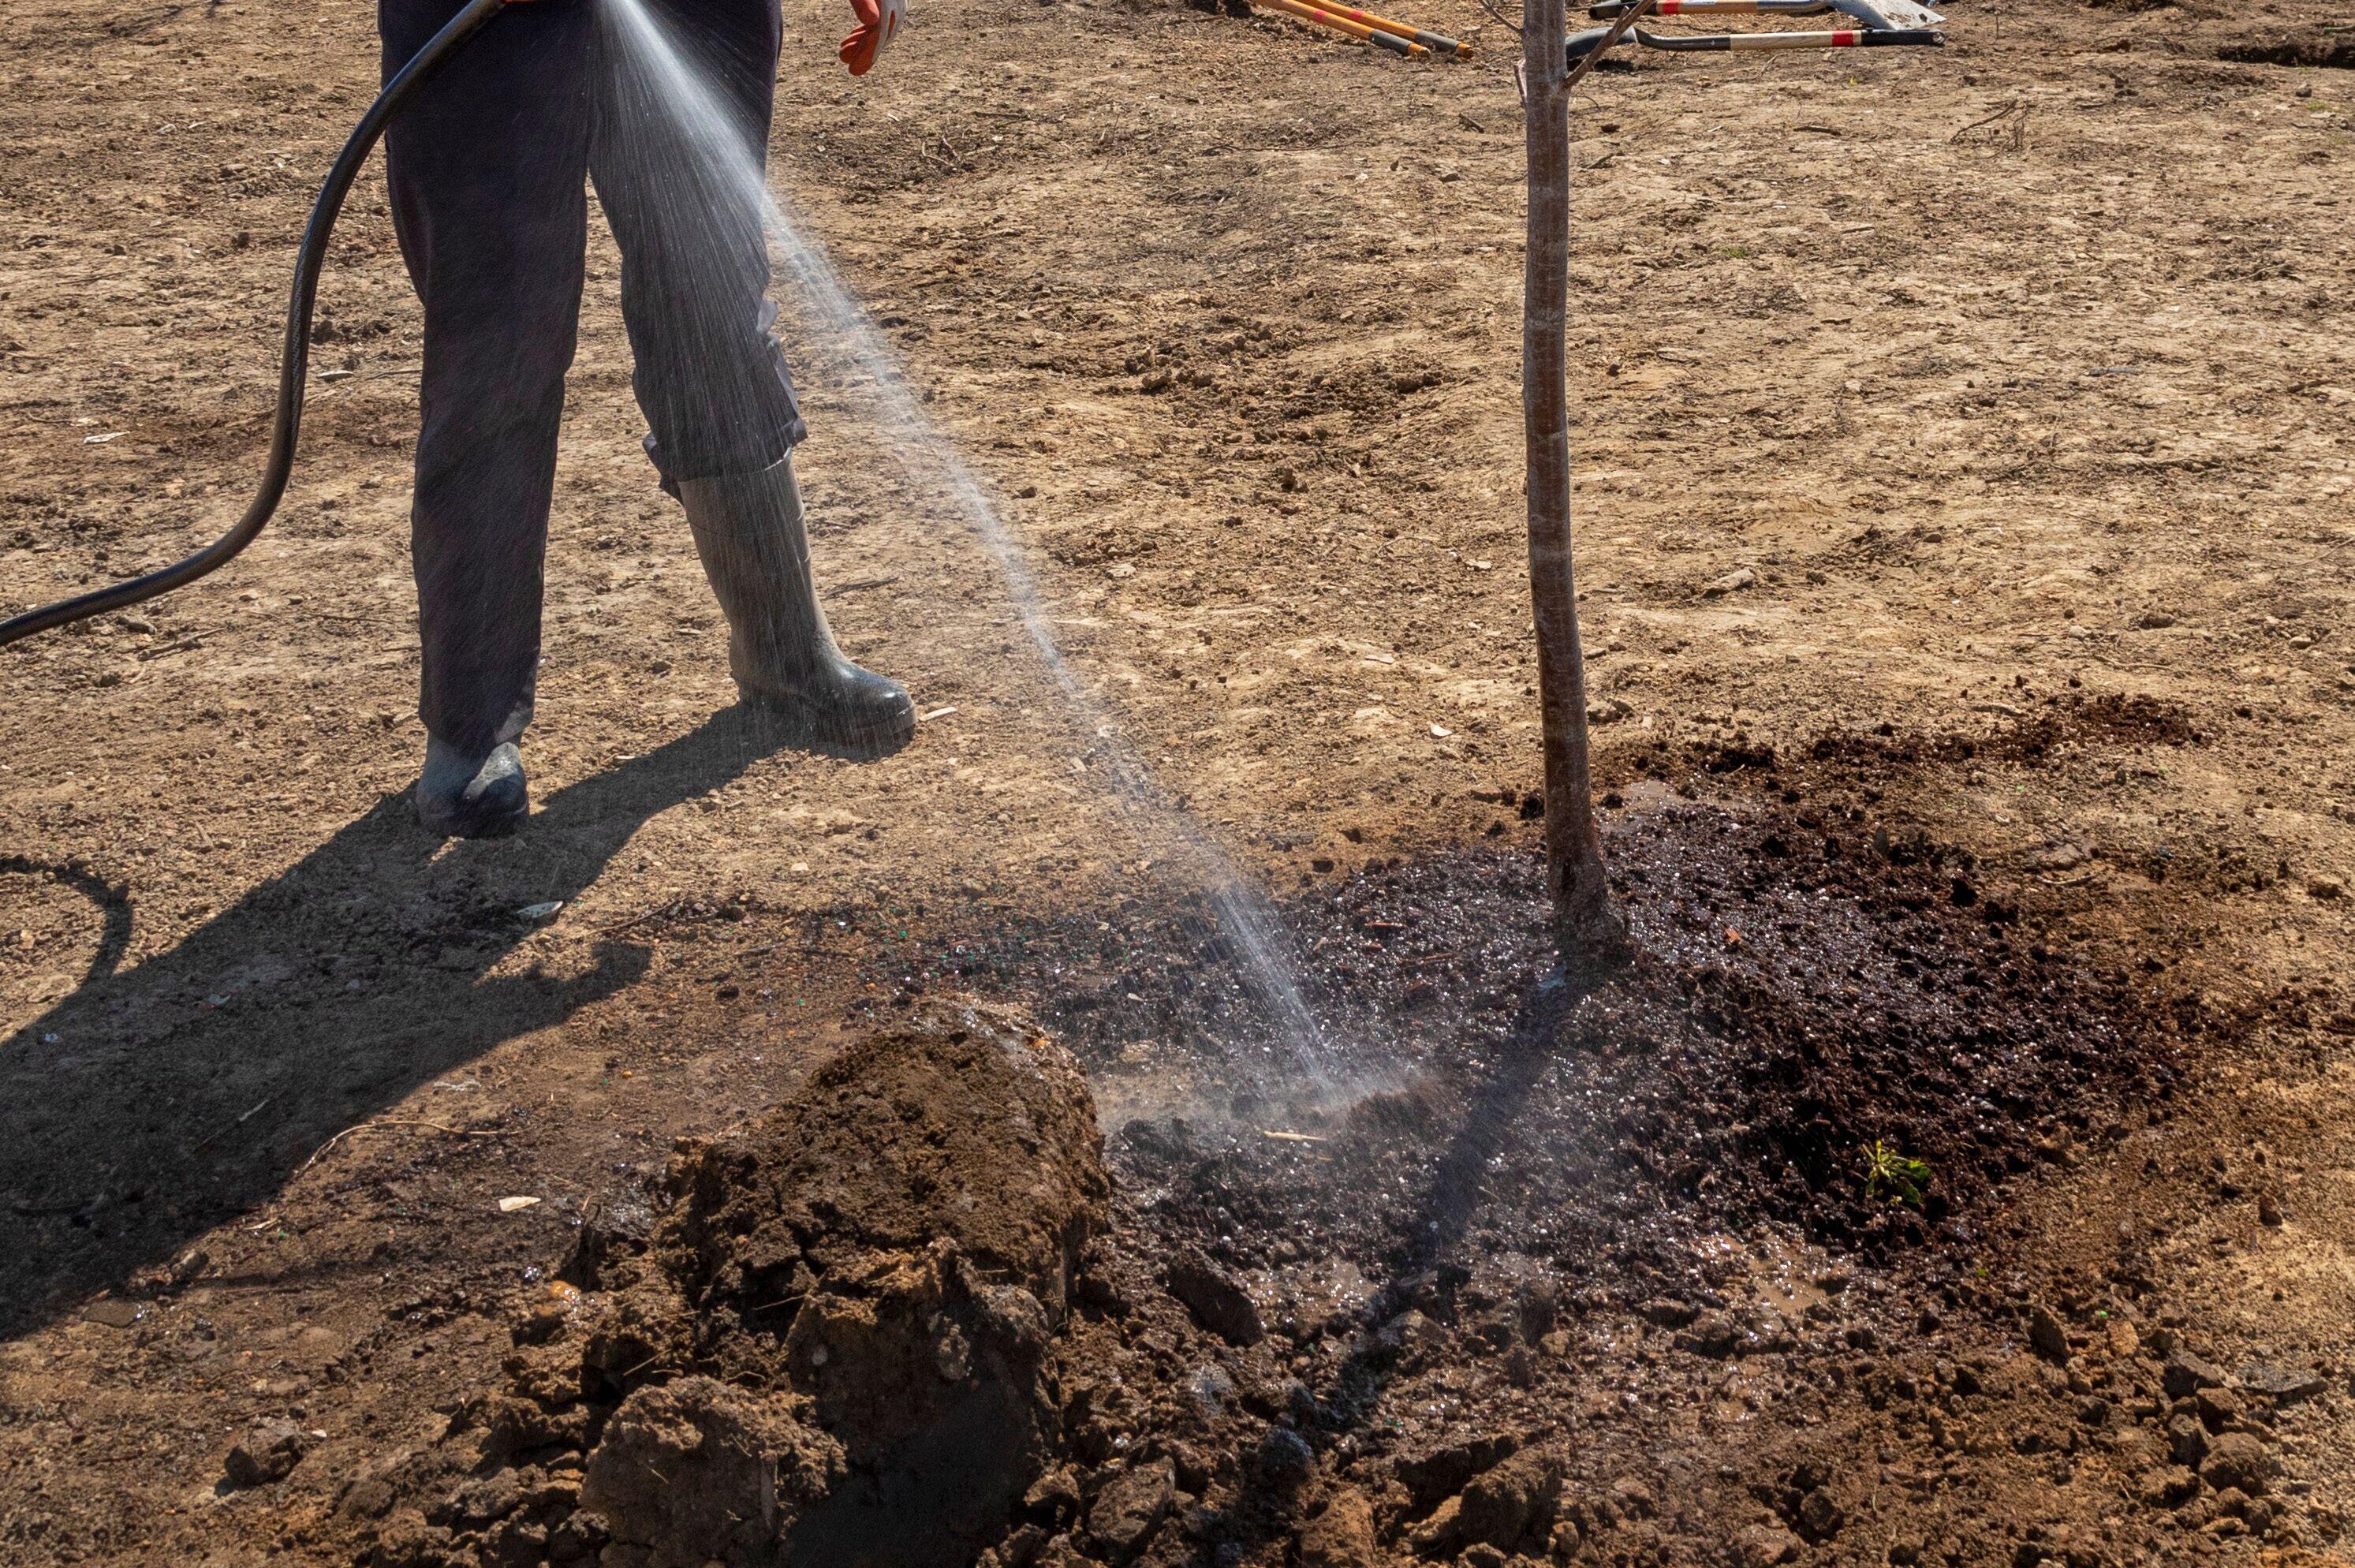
[1587,927]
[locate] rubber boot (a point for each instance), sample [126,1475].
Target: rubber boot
[459,796]
[755,550]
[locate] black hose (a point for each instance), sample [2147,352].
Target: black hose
[294,364]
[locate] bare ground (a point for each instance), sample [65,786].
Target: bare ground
[2016,378]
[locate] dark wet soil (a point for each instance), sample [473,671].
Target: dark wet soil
[1805,985]
[1335,1327]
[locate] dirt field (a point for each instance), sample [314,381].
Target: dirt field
[1964,443]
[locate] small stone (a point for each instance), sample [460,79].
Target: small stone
[114,1312]
[1766,1546]
[2047,1333]
[2281,1384]
[2186,1374]
[2237,1459]
[1734,581]
[2269,1208]
[2154,620]
[1217,1300]
[2325,887]
[268,1453]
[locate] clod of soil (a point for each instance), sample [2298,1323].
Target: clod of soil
[830,1348]
[269,1453]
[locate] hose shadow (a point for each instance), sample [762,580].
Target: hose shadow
[154,1103]
[113,902]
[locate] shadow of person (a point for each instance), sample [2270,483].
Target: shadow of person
[153,1104]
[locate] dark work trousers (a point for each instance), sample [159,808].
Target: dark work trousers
[487,171]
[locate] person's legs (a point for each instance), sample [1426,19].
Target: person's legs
[486,170]
[679,170]
[678,158]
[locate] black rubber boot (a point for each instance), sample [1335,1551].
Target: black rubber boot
[471,797]
[755,550]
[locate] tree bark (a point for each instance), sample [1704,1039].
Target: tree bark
[1587,927]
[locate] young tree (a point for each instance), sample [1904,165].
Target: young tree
[1587,927]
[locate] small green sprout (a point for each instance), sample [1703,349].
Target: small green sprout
[1905,1179]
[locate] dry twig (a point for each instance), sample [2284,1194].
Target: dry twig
[364,1126]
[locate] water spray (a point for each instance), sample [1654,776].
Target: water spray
[682,90]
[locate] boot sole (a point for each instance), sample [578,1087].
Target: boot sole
[462,823]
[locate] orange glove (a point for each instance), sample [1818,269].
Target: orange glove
[878,24]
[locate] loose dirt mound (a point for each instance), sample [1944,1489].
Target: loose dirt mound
[829,1349]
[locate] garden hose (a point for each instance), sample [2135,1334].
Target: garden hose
[294,358]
